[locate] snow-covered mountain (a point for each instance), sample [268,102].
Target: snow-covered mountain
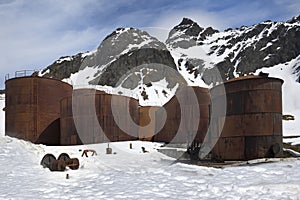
[128,62]
[131,62]
[232,53]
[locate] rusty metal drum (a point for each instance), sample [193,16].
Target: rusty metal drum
[91,119]
[253,121]
[32,108]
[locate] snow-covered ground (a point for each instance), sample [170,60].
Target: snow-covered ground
[131,174]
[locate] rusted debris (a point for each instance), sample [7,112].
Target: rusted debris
[85,152]
[288,117]
[61,163]
[47,159]
[64,157]
[144,150]
[57,165]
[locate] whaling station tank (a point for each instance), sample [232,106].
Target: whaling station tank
[33,110]
[147,122]
[82,121]
[253,122]
[184,113]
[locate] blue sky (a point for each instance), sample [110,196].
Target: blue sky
[34,33]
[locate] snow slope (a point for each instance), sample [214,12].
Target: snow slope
[290,93]
[131,174]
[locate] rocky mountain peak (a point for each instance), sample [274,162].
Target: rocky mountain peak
[186,34]
[189,27]
[295,19]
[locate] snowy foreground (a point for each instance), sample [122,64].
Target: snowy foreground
[131,174]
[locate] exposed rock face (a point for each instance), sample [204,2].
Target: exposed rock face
[121,42]
[236,52]
[63,67]
[187,33]
[127,62]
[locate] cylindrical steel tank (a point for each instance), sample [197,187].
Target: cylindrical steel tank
[87,111]
[32,108]
[175,110]
[253,122]
[147,122]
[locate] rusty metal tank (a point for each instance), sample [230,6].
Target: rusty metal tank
[32,108]
[184,124]
[147,122]
[87,117]
[253,121]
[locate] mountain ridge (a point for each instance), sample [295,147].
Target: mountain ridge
[201,56]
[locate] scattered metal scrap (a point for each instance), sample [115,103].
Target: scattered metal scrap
[59,164]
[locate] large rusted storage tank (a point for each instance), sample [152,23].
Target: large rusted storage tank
[147,122]
[184,124]
[87,117]
[32,108]
[253,122]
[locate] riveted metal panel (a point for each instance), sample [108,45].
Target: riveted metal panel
[147,119]
[254,110]
[229,148]
[262,147]
[92,119]
[33,109]
[174,112]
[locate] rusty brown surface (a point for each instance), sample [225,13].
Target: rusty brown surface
[90,118]
[147,122]
[253,121]
[246,148]
[174,112]
[32,109]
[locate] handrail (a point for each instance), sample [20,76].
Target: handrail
[20,73]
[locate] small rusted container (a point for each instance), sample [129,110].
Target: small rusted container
[87,117]
[253,120]
[193,127]
[32,108]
